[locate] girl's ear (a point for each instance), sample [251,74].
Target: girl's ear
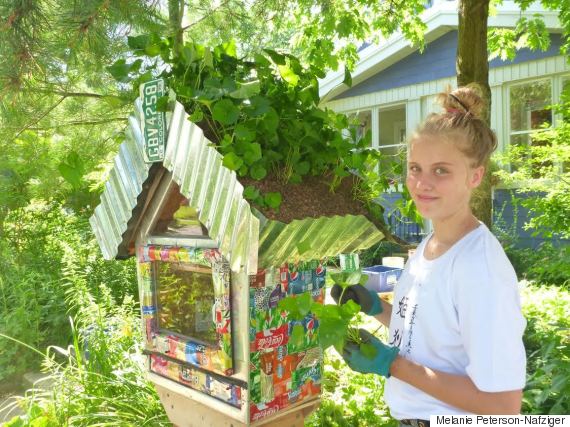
[477,176]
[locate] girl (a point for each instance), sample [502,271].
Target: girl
[455,343]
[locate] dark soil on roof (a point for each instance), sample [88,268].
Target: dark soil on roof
[311,198]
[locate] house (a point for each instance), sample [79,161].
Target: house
[395,87]
[211,272]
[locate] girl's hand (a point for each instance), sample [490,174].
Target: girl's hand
[369,301]
[378,364]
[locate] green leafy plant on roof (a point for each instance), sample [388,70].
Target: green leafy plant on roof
[261,112]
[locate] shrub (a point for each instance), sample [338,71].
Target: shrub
[546,264]
[350,398]
[45,251]
[547,343]
[101,379]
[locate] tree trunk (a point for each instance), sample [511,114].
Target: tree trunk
[473,67]
[175,15]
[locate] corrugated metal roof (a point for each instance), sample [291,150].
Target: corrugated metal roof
[244,236]
[123,191]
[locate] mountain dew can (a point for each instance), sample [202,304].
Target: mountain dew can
[349,262]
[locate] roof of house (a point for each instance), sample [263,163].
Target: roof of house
[440,20]
[243,235]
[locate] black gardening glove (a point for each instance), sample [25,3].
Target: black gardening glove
[368,300]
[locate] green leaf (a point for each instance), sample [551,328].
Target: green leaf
[349,309]
[332,331]
[302,168]
[208,58]
[232,161]
[229,85]
[297,306]
[261,60]
[288,75]
[16,421]
[188,54]
[297,335]
[138,42]
[244,133]
[259,106]
[212,82]
[368,350]
[258,172]
[271,120]
[250,192]
[72,169]
[196,116]
[230,48]
[153,50]
[345,278]
[295,178]
[162,104]
[226,141]
[246,90]
[225,112]
[304,246]
[347,77]
[276,57]
[252,153]
[273,200]
[120,69]
[304,303]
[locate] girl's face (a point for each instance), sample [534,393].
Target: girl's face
[440,177]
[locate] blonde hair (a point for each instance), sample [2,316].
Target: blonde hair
[462,118]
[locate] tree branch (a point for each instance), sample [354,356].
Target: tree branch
[66,94]
[49,110]
[83,123]
[221,5]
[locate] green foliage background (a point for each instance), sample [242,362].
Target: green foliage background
[61,117]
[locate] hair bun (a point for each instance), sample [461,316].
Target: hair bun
[466,99]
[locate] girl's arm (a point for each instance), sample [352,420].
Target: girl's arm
[384,316]
[455,390]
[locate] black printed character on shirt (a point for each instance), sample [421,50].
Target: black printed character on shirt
[402,307]
[396,338]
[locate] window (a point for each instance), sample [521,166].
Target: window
[529,106]
[361,125]
[565,97]
[529,110]
[185,299]
[186,305]
[392,141]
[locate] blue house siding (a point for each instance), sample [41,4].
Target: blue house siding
[509,218]
[437,62]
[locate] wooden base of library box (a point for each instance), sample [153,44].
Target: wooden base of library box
[188,408]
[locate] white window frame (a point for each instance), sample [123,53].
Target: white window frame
[362,110]
[511,133]
[387,107]
[556,81]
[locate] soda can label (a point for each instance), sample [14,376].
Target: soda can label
[275,296]
[349,262]
[257,280]
[319,276]
[272,276]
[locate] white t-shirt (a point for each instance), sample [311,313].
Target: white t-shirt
[459,313]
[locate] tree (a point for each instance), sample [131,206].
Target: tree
[351,23]
[58,104]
